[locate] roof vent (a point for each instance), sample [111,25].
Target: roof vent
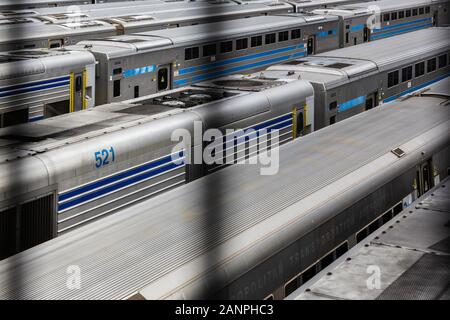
[398,152]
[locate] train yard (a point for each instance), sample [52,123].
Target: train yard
[224,149]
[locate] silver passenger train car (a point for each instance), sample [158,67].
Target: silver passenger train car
[356,25]
[262,236]
[17,11]
[350,80]
[200,60]
[64,171]
[128,20]
[347,81]
[40,35]
[37,4]
[385,18]
[295,6]
[38,84]
[148,15]
[149,62]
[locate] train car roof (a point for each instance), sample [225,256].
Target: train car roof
[192,14]
[20,63]
[159,14]
[114,6]
[150,9]
[31,3]
[163,243]
[387,5]
[386,52]
[150,40]
[246,26]
[335,67]
[16,22]
[59,131]
[311,4]
[36,31]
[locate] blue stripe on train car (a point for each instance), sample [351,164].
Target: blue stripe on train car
[97,189]
[139,71]
[399,25]
[125,183]
[273,124]
[351,103]
[393,33]
[323,34]
[357,27]
[205,76]
[32,84]
[392,98]
[113,178]
[37,118]
[238,59]
[33,87]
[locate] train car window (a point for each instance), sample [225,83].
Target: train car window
[209,50]
[401,14]
[407,73]
[327,260]
[256,41]
[117,71]
[136,91]
[55,44]
[300,121]
[386,17]
[78,83]
[421,10]
[270,38]
[392,78]
[191,53]
[427,9]
[442,61]
[283,36]
[241,44]
[426,178]
[116,88]
[419,69]
[309,274]
[332,106]
[394,16]
[332,120]
[226,46]
[408,13]
[296,33]
[346,37]
[290,287]
[414,12]
[431,65]
[163,79]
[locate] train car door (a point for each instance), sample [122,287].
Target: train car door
[424,177]
[163,77]
[371,100]
[366,34]
[298,122]
[311,45]
[76,99]
[77,88]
